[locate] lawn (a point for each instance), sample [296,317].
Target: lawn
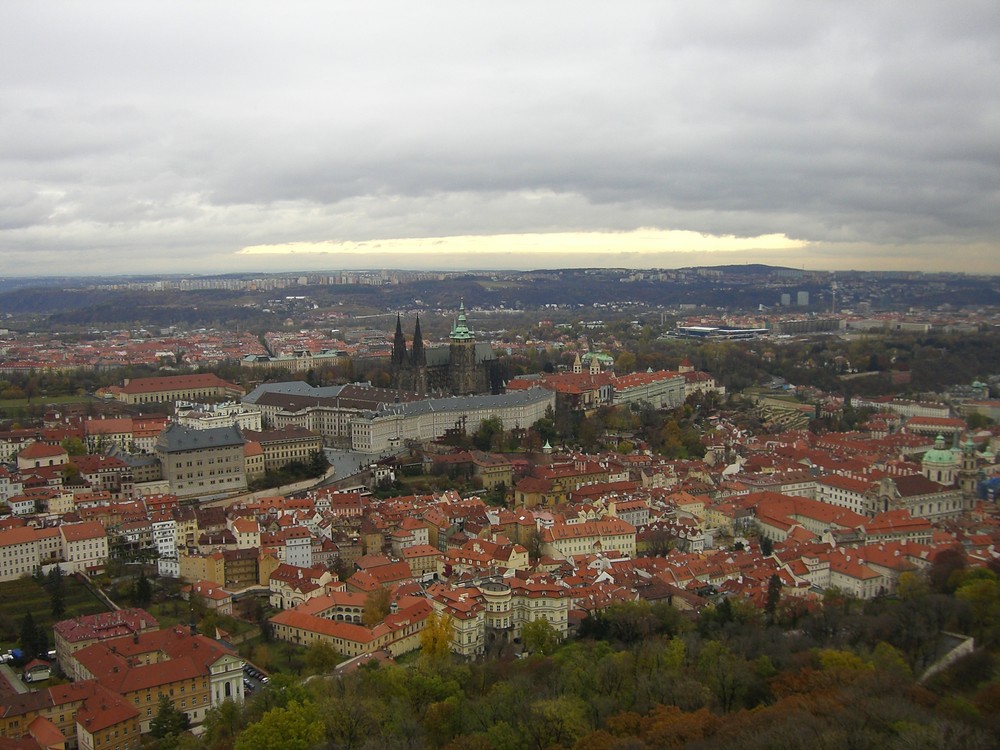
[42,401]
[28,595]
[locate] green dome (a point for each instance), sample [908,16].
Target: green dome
[939,454]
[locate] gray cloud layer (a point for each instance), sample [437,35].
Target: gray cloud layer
[165,136]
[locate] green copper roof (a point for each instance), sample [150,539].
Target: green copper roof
[460,331]
[939,454]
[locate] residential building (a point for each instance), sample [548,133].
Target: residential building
[85,547]
[19,554]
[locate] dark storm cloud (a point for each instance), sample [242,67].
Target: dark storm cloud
[183,131]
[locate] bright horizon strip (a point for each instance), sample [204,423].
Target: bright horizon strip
[636,241]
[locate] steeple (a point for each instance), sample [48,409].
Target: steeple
[417,350]
[398,343]
[460,331]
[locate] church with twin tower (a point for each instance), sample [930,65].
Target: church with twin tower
[465,367]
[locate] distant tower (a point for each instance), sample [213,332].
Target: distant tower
[833,292]
[399,357]
[577,365]
[418,358]
[462,345]
[398,343]
[968,474]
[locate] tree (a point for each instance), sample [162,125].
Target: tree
[725,674]
[57,591]
[557,722]
[490,429]
[435,638]
[74,446]
[318,463]
[29,637]
[625,363]
[143,593]
[321,657]
[377,606]
[981,591]
[168,720]
[540,637]
[773,597]
[946,569]
[545,427]
[70,472]
[977,421]
[296,726]
[222,725]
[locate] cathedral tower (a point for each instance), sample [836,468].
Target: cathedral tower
[418,359]
[462,345]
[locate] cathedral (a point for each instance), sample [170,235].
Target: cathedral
[462,368]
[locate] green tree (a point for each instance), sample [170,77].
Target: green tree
[143,593]
[725,674]
[321,657]
[29,636]
[545,427]
[977,421]
[625,363]
[297,726]
[318,463]
[57,591]
[557,722]
[981,591]
[168,722]
[74,446]
[540,637]
[222,725]
[490,429]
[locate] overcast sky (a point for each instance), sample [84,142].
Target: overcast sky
[201,137]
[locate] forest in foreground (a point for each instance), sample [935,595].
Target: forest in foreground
[839,674]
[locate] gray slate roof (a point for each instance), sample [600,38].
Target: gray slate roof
[177,438]
[292,388]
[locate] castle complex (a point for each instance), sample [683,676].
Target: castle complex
[465,367]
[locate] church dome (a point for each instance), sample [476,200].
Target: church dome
[939,454]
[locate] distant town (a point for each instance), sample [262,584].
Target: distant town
[210,483]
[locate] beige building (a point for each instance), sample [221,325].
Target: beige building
[195,672]
[495,611]
[178,388]
[85,547]
[564,540]
[285,445]
[202,462]
[19,554]
[331,618]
